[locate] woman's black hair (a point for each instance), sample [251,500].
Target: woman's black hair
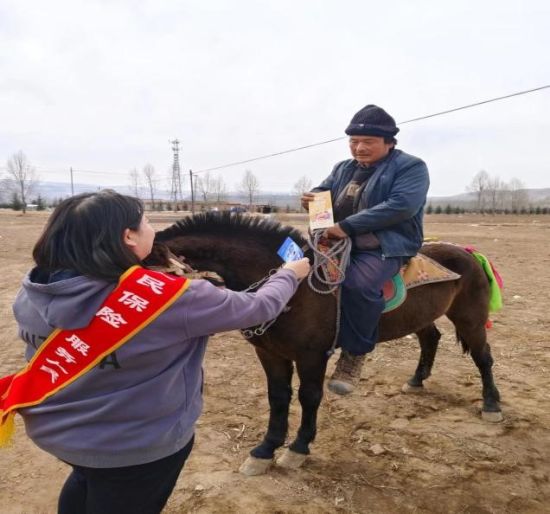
[85,234]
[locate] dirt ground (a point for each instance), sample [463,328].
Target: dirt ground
[377,451]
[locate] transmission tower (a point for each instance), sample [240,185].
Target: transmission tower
[175,193]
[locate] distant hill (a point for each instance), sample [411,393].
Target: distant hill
[54,190]
[536,197]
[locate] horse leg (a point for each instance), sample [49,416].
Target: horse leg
[474,340]
[279,391]
[311,370]
[491,397]
[428,339]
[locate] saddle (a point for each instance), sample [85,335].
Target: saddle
[420,270]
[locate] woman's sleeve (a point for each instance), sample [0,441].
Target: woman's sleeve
[210,309]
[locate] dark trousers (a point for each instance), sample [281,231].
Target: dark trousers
[362,300]
[141,489]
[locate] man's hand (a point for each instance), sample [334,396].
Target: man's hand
[306,198]
[334,232]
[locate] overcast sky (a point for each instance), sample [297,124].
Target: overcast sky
[104,85]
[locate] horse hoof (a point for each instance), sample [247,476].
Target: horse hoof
[291,460]
[409,389]
[491,417]
[253,466]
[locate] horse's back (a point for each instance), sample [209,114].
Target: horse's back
[453,257]
[473,288]
[467,295]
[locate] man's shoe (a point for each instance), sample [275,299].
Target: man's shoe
[347,374]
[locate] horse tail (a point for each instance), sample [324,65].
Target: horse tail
[496,284]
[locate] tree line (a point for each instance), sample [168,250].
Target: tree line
[493,195]
[20,188]
[455,209]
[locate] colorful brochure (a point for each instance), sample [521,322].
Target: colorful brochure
[320,211]
[290,251]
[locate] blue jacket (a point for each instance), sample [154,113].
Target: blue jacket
[392,204]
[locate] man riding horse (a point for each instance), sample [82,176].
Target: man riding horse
[378,198]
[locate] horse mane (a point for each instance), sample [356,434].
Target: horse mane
[227,223]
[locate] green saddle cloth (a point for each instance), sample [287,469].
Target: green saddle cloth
[395,293]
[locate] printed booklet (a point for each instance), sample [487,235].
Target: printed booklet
[320,211]
[290,251]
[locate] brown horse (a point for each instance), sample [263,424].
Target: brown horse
[243,250]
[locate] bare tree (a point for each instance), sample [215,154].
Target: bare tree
[4,188]
[503,196]
[302,186]
[518,195]
[150,181]
[494,186]
[134,182]
[479,186]
[218,190]
[250,187]
[22,177]
[205,186]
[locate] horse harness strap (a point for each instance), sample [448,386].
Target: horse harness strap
[182,269]
[259,330]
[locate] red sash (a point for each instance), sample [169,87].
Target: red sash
[141,296]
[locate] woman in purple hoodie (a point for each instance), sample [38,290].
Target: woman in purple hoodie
[126,426]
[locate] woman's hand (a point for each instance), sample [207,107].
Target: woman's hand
[301,267]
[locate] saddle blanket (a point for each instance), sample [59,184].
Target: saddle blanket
[420,270]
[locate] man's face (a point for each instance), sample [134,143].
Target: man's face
[368,149]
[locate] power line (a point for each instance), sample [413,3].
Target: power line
[271,155]
[441,113]
[469,106]
[304,147]
[66,170]
[99,172]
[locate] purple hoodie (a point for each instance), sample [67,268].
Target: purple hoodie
[140,403]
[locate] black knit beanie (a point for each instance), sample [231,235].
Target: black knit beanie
[372,120]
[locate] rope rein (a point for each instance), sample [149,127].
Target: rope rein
[335,258]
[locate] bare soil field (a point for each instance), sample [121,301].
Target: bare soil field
[377,451]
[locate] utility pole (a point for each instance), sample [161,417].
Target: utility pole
[175,193]
[192,192]
[72,183]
